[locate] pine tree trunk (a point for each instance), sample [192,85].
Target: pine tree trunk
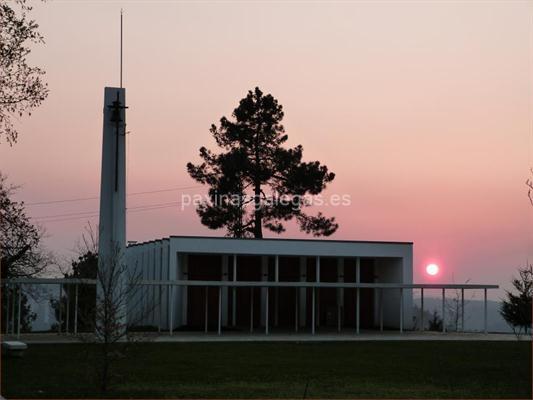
[258,231]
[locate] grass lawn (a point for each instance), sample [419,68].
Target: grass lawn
[342,369]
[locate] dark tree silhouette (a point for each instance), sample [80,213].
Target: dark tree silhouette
[435,323]
[516,309]
[256,182]
[21,252]
[21,86]
[84,267]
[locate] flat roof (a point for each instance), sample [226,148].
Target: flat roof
[268,239]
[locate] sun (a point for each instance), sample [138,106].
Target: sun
[432,269]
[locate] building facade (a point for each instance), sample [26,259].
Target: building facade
[215,284]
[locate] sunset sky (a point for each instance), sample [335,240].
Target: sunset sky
[422,109]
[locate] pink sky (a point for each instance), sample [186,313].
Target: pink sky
[421,109]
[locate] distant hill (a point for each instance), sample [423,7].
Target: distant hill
[474,311]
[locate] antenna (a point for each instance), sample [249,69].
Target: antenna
[121,12]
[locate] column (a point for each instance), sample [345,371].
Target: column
[264,277]
[276,291]
[303,292]
[234,293]
[357,293]
[340,293]
[422,309]
[462,309]
[176,294]
[225,276]
[184,289]
[443,310]
[317,295]
[485,309]
[401,310]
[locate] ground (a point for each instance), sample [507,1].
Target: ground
[364,369]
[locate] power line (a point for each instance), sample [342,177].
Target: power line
[96,197]
[80,213]
[94,215]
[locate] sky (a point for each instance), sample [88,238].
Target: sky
[422,109]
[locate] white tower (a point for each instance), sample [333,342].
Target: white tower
[112,229]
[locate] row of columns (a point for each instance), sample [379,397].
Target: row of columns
[315,308]
[443,310]
[300,296]
[17,291]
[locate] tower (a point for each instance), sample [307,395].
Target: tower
[112,228]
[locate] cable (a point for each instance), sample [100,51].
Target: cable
[96,197]
[96,215]
[80,213]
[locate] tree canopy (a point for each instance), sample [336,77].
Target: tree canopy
[21,86]
[516,309]
[21,250]
[255,182]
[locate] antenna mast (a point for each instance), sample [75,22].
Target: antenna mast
[121,12]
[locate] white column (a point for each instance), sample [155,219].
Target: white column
[485,309]
[234,293]
[401,310]
[357,293]
[357,311]
[422,309]
[251,309]
[171,309]
[303,292]
[317,268]
[76,311]
[206,307]
[20,310]
[443,310]
[13,300]
[225,272]
[340,293]
[264,277]
[184,289]
[67,319]
[176,296]
[266,311]
[313,311]
[276,291]
[8,297]
[165,294]
[462,309]
[381,309]
[219,310]
[60,321]
[296,319]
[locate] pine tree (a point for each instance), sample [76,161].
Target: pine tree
[517,309]
[255,182]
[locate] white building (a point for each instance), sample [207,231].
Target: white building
[219,283]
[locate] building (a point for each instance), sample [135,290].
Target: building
[225,283]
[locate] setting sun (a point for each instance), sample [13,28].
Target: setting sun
[432,269]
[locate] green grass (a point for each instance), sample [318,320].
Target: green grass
[348,369]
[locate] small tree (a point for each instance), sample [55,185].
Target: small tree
[118,290]
[435,323]
[257,183]
[454,309]
[517,308]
